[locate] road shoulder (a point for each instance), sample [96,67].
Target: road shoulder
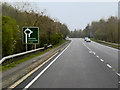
[24,68]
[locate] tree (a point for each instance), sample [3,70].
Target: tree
[15,18]
[9,35]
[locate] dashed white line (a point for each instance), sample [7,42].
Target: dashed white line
[101,60]
[86,46]
[109,66]
[28,85]
[97,56]
[94,53]
[118,73]
[90,51]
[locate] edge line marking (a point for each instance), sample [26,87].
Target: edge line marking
[30,83]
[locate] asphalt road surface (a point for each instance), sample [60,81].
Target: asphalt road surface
[80,65]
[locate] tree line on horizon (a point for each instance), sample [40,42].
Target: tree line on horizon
[105,30]
[14,19]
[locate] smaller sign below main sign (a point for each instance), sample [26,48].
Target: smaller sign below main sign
[30,35]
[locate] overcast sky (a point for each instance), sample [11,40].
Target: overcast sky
[76,15]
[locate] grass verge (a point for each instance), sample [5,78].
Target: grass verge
[15,63]
[110,45]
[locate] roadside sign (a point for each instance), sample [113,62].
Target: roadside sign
[30,35]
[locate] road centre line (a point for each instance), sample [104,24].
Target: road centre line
[109,66]
[94,53]
[101,60]
[98,57]
[27,86]
[90,51]
[86,46]
[118,73]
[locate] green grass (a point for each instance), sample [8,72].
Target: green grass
[15,63]
[111,45]
[93,39]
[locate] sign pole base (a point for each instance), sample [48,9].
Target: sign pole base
[26,47]
[35,46]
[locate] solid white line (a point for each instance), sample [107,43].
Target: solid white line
[101,60]
[27,86]
[105,46]
[26,76]
[109,66]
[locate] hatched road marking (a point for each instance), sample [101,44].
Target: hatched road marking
[19,81]
[28,85]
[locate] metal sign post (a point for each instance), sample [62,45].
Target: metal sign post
[30,36]
[26,47]
[35,46]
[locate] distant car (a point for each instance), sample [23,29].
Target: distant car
[87,39]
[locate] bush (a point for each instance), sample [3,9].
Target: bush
[9,35]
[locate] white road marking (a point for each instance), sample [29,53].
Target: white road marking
[97,56]
[118,73]
[101,60]
[86,46]
[109,66]
[28,85]
[23,78]
[105,46]
[90,51]
[94,53]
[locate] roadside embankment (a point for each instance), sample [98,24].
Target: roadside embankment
[13,74]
